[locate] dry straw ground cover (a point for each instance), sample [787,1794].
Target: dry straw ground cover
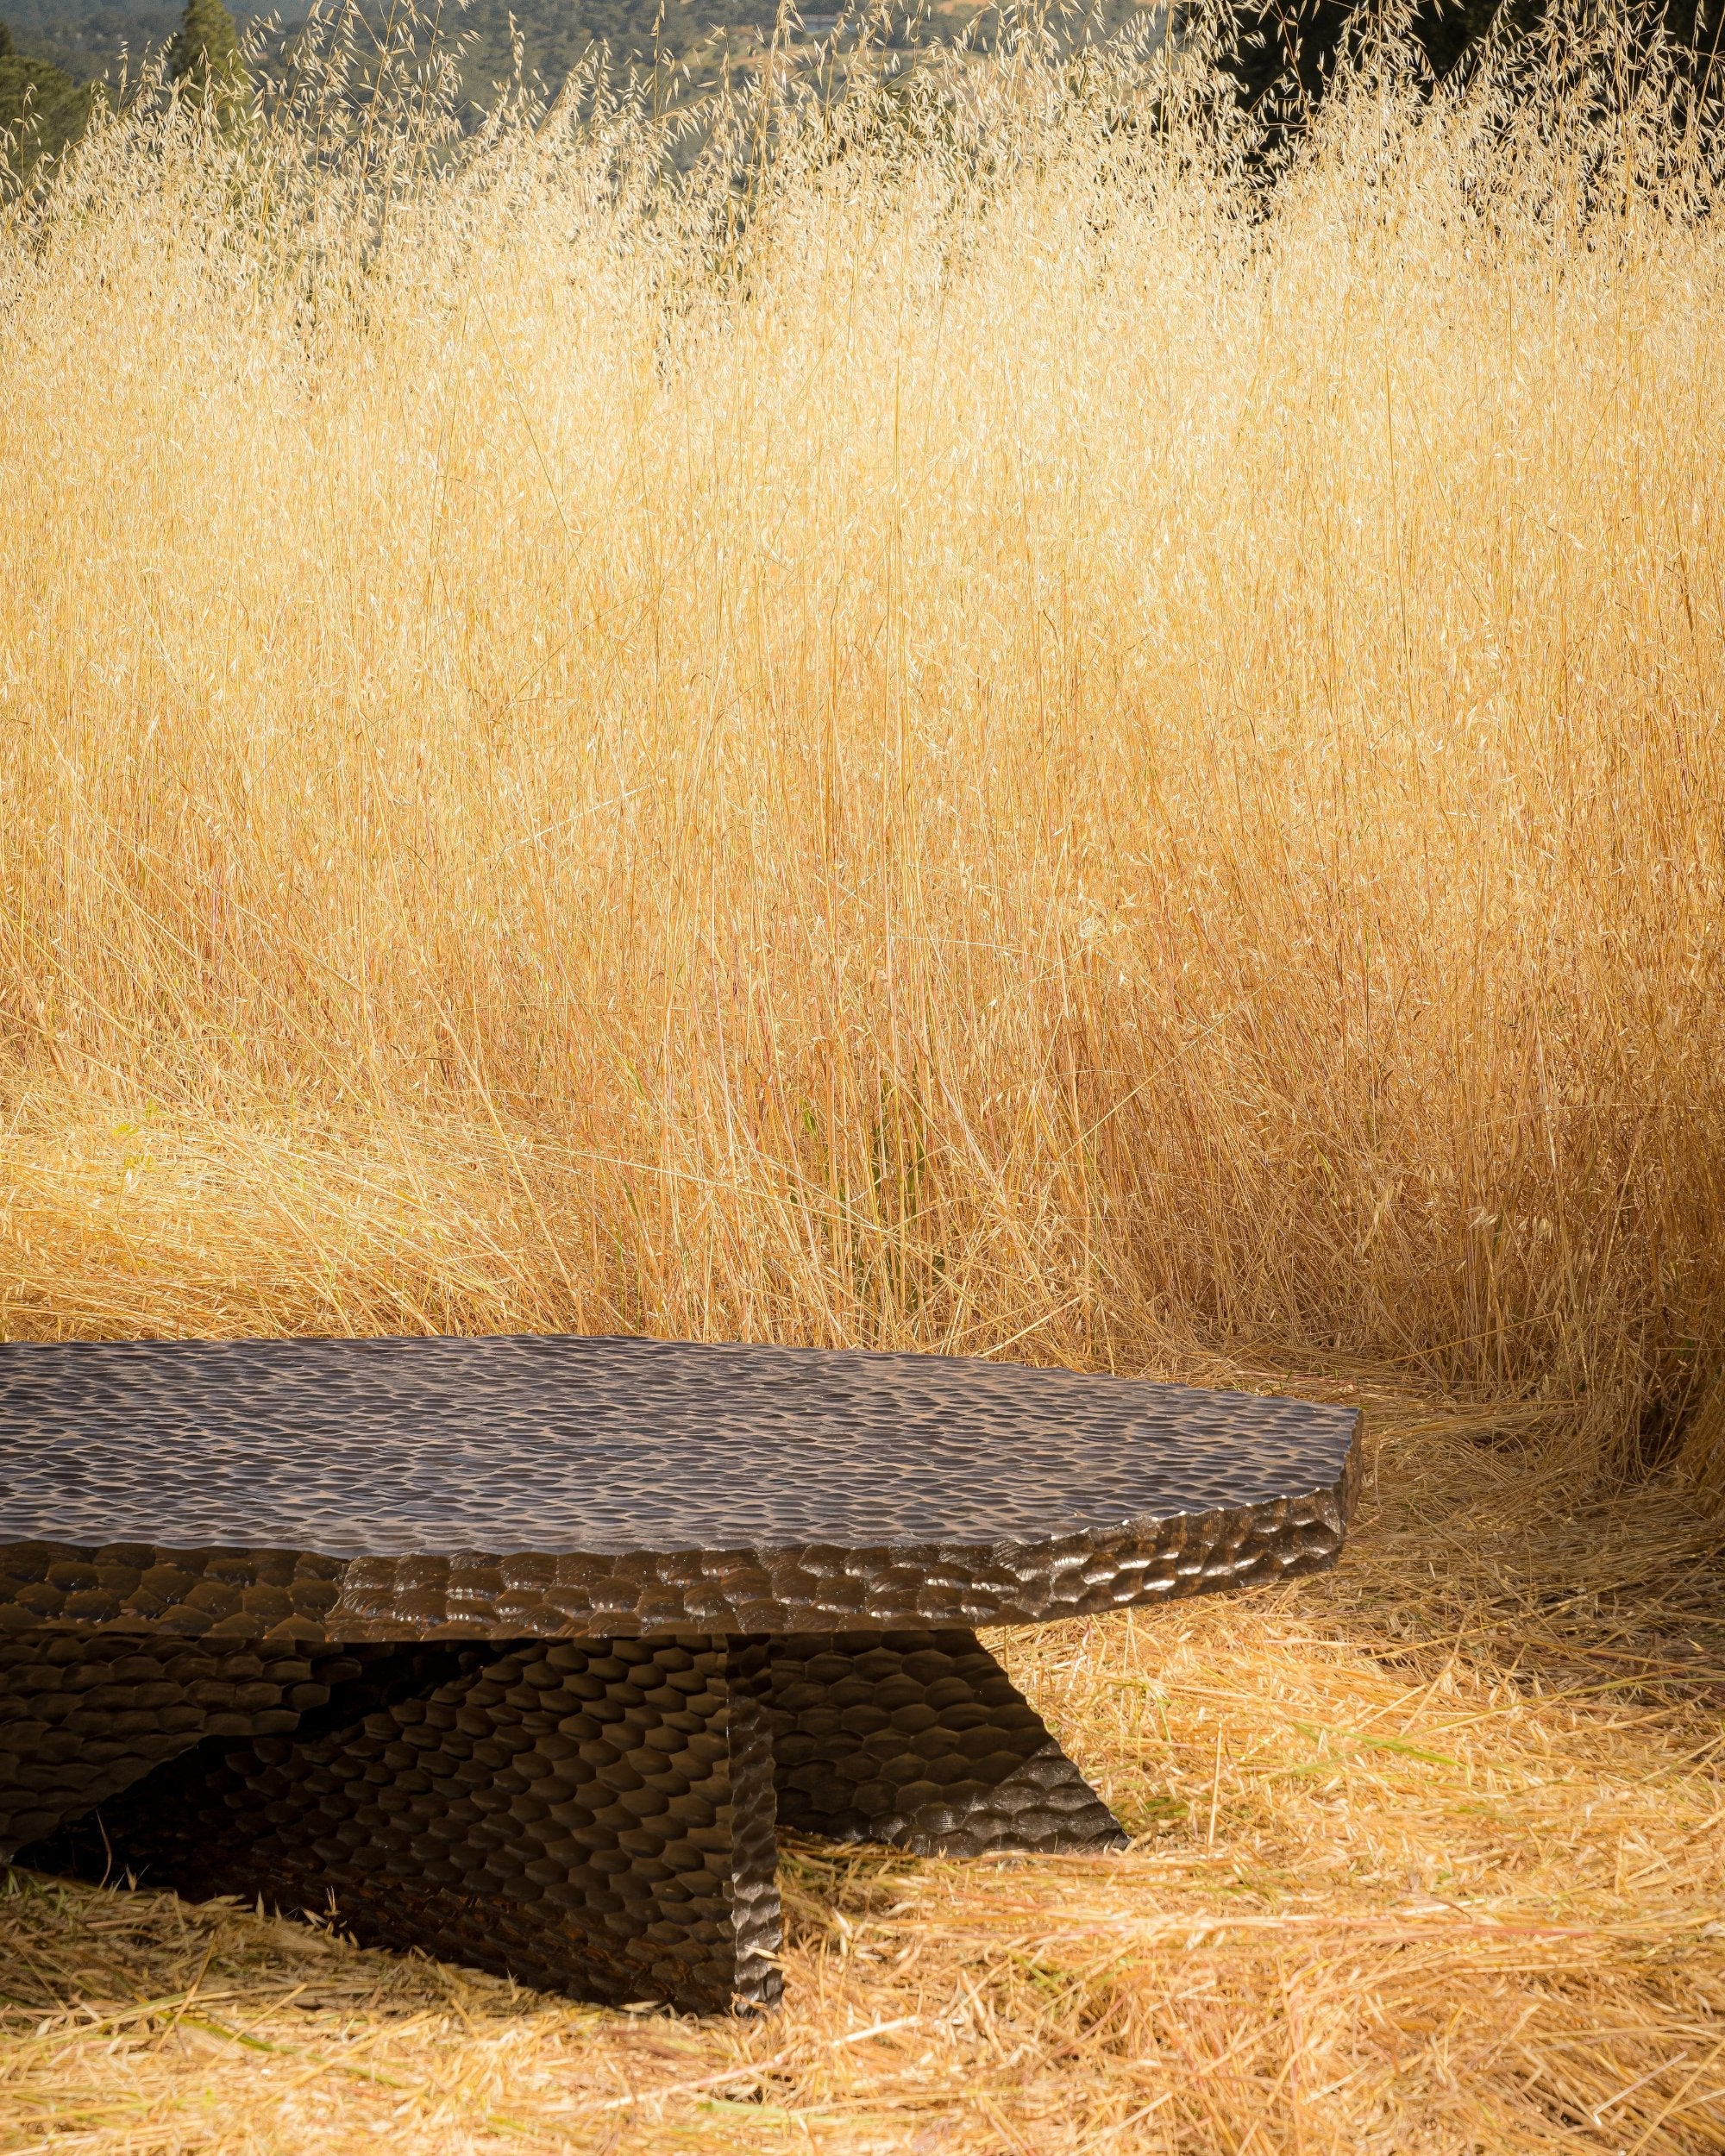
[961,730]
[1428,1858]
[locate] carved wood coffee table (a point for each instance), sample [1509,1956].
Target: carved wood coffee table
[518,1650]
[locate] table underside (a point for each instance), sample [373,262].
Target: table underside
[596,1817]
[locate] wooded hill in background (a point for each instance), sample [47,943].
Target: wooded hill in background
[43,107]
[556,36]
[543,40]
[57,104]
[1288,48]
[1284,49]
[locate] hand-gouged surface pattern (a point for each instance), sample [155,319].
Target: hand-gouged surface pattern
[340,1491]
[921,1738]
[595,1818]
[754,1826]
[83,1715]
[206,1548]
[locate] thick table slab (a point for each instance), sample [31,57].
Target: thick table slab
[520,1649]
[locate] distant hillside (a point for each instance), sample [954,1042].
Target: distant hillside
[88,40]
[42,105]
[557,34]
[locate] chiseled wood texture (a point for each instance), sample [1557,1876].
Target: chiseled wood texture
[343,1490]
[522,1649]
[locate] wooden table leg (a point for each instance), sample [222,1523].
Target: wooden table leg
[85,1714]
[922,1740]
[592,1817]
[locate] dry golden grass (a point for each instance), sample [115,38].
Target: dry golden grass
[1007,752]
[1020,749]
[1429,1858]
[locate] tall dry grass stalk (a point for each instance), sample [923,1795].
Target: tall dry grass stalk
[974,734]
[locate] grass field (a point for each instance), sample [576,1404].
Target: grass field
[973,736]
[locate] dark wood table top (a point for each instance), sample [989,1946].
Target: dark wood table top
[536,1485]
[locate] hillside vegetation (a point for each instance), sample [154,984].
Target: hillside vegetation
[39,97]
[489,41]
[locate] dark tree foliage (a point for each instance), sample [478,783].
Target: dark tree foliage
[42,108]
[1287,49]
[205,56]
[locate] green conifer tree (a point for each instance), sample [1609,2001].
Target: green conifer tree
[41,108]
[204,59]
